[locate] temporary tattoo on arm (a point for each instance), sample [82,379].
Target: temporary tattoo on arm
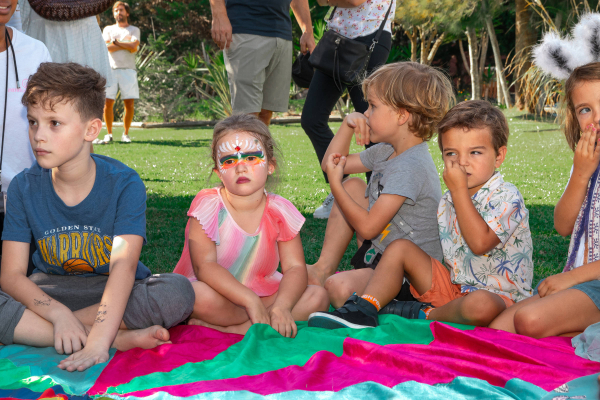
[101,314]
[42,302]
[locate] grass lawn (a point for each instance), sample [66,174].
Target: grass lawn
[175,164]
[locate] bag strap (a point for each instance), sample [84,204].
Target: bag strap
[382,26]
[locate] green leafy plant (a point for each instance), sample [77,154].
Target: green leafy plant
[213,83]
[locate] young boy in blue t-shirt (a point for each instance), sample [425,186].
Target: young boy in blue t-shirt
[86,213]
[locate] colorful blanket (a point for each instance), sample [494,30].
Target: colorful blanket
[401,359]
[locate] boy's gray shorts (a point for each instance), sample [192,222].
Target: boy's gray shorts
[163,299]
[11,312]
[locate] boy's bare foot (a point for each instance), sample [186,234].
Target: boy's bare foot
[316,276]
[240,329]
[147,338]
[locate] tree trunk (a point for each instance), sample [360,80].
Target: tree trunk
[525,38]
[503,94]
[462,53]
[412,35]
[483,53]
[435,47]
[474,64]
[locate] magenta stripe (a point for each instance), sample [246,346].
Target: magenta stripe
[487,354]
[190,344]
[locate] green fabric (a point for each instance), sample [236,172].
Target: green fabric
[263,350]
[14,377]
[37,369]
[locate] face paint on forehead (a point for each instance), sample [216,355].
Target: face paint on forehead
[241,150]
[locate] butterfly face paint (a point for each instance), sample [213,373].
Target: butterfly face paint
[248,151]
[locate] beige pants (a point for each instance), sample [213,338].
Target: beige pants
[259,69]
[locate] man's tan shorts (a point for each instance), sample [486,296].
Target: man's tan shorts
[259,69]
[442,289]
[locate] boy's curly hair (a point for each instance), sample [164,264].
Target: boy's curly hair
[423,91]
[54,83]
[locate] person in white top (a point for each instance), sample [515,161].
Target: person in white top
[122,41]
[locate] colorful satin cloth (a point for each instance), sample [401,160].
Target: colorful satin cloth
[399,359]
[252,258]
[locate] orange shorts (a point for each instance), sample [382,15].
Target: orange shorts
[442,289]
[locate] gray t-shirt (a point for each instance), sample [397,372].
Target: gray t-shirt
[411,174]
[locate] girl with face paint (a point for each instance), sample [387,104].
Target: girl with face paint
[238,234]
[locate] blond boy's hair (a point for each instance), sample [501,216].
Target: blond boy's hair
[423,91]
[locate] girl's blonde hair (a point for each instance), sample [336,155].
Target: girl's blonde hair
[248,123]
[585,73]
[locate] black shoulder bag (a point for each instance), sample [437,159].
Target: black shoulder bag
[344,59]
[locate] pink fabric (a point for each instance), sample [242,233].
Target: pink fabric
[487,354]
[252,258]
[190,344]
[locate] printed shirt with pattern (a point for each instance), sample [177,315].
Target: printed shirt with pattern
[507,269]
[362,20]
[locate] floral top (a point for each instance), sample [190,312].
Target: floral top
[251,258]
[362,20]
[507,269]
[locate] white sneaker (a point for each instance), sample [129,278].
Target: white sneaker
[107,139]
[125,139]
[325,209]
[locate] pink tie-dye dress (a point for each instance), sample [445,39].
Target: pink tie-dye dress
[252,258]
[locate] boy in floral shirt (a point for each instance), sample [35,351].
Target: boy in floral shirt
[484,233]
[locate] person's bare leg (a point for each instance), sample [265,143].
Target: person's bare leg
[265,116]
[338,235]
[506,320]
[313,299]
[478,308]
[563,312]
[341,286]
[400,258]
[128,117]
[33,330]
[109,116]
[229,319]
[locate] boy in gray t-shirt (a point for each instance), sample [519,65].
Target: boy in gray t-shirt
[406,101]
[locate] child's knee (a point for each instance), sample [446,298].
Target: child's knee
[338,289]
[527,322]
[317,297]
[355,186]
[481,307]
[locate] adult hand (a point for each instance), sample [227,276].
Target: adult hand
[323,2]
[84,359]
[221,30]
[334,168]
[258,312]
[556,283]
[70,335]
[587,154]
[283,322]
[307,42]
[360,124]
[454,176]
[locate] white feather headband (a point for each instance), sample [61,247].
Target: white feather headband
[558,56]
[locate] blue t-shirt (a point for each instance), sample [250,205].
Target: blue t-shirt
[76,240]
[260,17]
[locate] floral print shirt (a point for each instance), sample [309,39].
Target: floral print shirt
[362,20]
[507,269]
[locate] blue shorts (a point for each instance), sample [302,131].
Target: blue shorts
[591,288]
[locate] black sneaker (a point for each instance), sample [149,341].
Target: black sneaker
[356,313]
[406,309]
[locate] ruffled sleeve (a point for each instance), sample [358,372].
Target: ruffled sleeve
[205,208]
[285,216]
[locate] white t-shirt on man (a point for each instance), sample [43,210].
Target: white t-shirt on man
[30,53]
[121,59]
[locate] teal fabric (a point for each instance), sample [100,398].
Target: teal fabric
[458,389]
[44,371]
[581,388]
